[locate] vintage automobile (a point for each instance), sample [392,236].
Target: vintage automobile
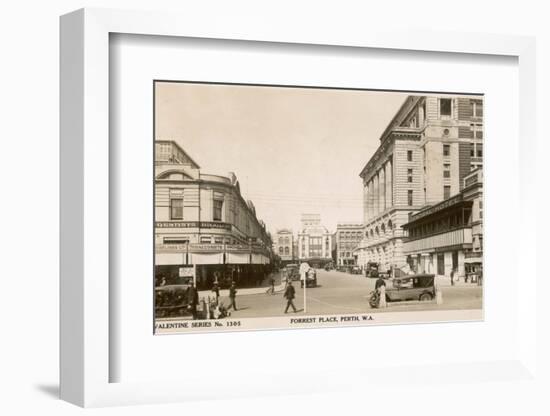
[311,278]
[171,301]
[356,270]
[420,287]
[412,287]
[372,269]
[292,272]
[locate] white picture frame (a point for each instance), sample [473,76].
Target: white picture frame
[85,164]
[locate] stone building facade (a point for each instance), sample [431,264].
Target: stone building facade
[425,153]
[203,220]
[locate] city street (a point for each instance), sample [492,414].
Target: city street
[344,293]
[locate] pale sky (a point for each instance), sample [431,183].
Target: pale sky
[294,150]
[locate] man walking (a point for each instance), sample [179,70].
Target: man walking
[216,290]
[232,296]
[289,295]
[272,283]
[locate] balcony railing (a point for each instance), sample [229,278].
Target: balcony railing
[450,238]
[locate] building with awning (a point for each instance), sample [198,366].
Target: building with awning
[202,220]
[448,236]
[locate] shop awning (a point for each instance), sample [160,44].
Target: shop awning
[165,259]
[238,258]
[206,258]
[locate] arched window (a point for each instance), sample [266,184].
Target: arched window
[287,251]
[281,250]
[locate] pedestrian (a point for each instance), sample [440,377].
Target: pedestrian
[380,287]
[216,290]
[192,297]
[379,282]
[232,296]
[289,295]
[272,282]
[453,277]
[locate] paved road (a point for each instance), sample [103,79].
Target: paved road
[340,293]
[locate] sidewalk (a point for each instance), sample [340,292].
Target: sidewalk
[250,290]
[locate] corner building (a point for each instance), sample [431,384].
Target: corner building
[203,220]
[425,152]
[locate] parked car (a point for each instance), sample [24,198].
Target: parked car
[420,287]
[372,269]
[311,278]
[413,287]
[292,272]
[356,270]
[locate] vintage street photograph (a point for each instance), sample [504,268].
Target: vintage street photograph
[282,207]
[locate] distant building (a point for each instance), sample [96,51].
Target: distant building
[348,237]
[284,246]
[203,220]
[314,241]
[425,153]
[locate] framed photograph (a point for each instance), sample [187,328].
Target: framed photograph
[314,235]
[253,201]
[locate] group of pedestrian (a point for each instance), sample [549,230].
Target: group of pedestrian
[232,295]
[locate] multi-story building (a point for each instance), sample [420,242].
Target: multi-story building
[314,241]
[348,237]
[284,246]
[203,220]
[448,235]
[425,152]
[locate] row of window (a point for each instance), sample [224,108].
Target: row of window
[284,250]
[349,235]
[176,209]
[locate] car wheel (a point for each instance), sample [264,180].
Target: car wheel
[425,297]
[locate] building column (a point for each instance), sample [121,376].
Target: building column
[382,175]
[389,184]
[376,194]
[365,203]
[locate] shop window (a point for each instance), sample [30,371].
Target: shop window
[176,208]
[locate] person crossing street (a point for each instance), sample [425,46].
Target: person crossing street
[232,296]
[289,294]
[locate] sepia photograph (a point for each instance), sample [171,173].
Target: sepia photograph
[290,207]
